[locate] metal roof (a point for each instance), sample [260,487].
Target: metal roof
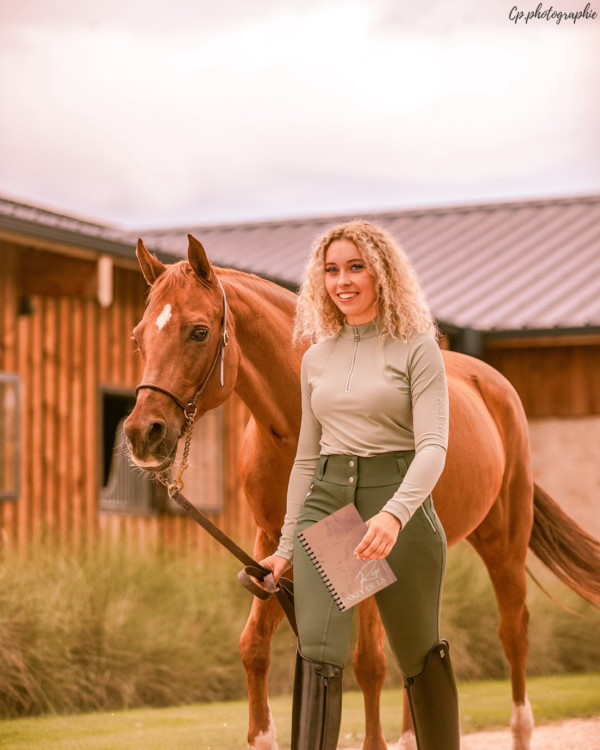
[21,220]
[502,266]
[495,266]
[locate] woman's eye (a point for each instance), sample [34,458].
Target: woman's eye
[199,334]
[330,269]
[357,266]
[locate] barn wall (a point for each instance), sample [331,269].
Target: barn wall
[63,352]
[566,462]
[560,390]
[552,381]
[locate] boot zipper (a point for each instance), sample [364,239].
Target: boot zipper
[353,363]
[429,519]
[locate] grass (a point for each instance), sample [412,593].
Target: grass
[118,630]
[223,726]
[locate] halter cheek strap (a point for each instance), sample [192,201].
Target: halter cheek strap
[189,406]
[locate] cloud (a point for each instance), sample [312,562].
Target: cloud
[157,112]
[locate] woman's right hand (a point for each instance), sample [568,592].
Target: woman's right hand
[277,565]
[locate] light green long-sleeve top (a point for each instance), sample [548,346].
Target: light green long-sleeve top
[362,396]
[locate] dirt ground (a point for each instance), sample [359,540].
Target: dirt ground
[574,734]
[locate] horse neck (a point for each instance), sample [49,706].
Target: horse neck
[269,371]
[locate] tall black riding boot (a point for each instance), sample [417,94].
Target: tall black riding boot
[317,708]
[433,702]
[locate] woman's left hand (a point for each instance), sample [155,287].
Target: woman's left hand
[382,532]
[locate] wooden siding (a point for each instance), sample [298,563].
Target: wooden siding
[63,352]
[553,381]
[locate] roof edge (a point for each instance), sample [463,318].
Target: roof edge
[334,218]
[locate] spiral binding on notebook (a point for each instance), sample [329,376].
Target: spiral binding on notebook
[336,597]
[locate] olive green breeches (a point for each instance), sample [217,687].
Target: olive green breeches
[410,607]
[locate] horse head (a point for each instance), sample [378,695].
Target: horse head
[179,340]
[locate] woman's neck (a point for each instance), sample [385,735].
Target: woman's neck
[360,320]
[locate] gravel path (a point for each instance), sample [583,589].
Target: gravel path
[574,734]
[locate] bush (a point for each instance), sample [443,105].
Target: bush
[118,629]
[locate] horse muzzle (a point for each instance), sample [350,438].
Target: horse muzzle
[152,443]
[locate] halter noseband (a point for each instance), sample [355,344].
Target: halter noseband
[189,406]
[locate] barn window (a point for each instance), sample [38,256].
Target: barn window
[9,436]
[128,489]
[122,486]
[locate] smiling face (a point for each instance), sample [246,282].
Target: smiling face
[349,284]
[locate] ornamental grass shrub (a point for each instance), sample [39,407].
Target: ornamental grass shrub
[120,629]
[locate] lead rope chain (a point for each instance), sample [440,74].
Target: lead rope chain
[164,477]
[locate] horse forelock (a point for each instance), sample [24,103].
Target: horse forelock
[175,275]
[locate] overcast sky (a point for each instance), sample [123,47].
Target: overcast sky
[146,113]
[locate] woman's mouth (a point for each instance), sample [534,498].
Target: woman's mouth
[345,296]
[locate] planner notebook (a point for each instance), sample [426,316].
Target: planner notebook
[330,544]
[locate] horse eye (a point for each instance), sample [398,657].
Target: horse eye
[199,334]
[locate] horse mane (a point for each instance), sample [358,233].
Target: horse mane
[177,274]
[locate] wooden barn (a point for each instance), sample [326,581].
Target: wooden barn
[516,284]
[70,295]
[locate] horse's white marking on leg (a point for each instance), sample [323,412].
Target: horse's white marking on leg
[267,740]
[521,724]
[164,317]
[407,741]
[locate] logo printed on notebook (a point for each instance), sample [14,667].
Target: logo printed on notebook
[370,579]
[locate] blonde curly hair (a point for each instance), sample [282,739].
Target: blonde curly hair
[402,308]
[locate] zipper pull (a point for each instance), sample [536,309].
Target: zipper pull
[356,334]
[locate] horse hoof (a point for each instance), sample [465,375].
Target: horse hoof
[407,741]
[521,725]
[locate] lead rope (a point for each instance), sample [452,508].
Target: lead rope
[284,591]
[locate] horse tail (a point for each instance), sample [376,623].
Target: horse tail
[565,548]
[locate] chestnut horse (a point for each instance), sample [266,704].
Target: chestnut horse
[486,493]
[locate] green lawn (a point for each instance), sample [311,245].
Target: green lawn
[222,726]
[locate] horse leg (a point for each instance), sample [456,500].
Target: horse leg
[370,669]
[505,560]
[255,648]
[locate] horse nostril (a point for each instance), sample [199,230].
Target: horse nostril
[156,432]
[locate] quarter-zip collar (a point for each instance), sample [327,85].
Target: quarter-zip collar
[364,331]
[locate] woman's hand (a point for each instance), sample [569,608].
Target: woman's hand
[277,565]
[382,532]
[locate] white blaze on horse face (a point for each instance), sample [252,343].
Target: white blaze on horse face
[164,317]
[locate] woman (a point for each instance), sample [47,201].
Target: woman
[374,432]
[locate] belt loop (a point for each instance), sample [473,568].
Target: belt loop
[402,467]
[320,470]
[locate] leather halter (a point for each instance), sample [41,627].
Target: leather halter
[189,406]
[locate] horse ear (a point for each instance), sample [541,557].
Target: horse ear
[198,260]
[151,266]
